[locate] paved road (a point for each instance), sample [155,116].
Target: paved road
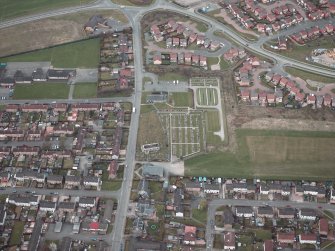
[215,204]
[44,191]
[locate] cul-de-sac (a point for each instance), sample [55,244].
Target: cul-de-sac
[167,125]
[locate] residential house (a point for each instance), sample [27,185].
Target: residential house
[54,179]
[188,58]
[86,202]
[91,181]
[286,213]
[311,98]
[307,214]
[229,241]
[268,245]
[323,227]
[23,201]
[192,186]
[145,210]
[177,201]
[246,212]
[189,235]
[310,190]
[26,150]
[245,95]
[72,181]
[211,188]
[327,100]
[66,206]
[308,238]
[143,189]
[112,169]
[287,238]
[173,57]
[47,206]
[265,212]
[154,172]
[60,75]
[5,179]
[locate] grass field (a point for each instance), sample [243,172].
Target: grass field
[300,52]
[307,75]
[85,90]
[224,64]
[15,238]
[271,154]
[41,91]
[111,185]
[213,125]
[16,8]
[82,54]
[182,99]
[207,96]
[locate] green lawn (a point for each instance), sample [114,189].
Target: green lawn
[15,238]
[262,234]
[111,185]
[212,61]
[224,64]
[85,90]
[16,8]
[308,75]
[271,154]
[200,215]
[41,91]
[82,54]
[183,99]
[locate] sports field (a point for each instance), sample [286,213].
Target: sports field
[41,91]
[271,154]
[207,96]
[82,54]
[15,8]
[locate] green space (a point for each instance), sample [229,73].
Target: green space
[133,2]
[85,90]
[300,52]
[207,96]
[82,54]
[41,91]
[111,185]
[212,61]
[328,214]
[262,234]
[170,76]
[15,238]
[182,99]
[224,64]
[308,75]
[200,215]
[213,125]
[273,154]
[16,8]
[201,27]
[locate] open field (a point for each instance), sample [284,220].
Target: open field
[182,99]
[271,154]
[300,52]
[82,54]
[12,9]
[198,81]
[307,75]
[207,96]
[85,90]
[51,31]
[41,91]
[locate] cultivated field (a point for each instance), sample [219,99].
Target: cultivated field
[82,54]
[271,154]
[198,81]
[207,96]
[50,31]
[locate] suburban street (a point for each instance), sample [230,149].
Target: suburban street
[215,204]
[135,14]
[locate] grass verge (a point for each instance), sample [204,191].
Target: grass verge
[308,75]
